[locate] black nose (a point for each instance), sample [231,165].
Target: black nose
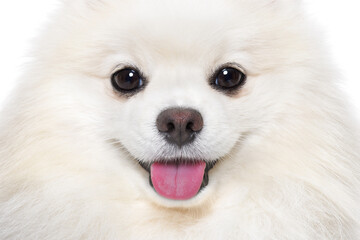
[179,125]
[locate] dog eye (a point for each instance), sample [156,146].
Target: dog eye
[229,78]
[127,80]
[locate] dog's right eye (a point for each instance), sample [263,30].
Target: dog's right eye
[127,80]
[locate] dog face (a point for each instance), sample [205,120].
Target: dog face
[182,88]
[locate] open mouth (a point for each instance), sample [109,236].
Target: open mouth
[178,179]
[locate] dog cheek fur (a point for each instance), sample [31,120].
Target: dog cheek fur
[297,177]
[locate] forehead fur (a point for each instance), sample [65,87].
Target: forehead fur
[182,30]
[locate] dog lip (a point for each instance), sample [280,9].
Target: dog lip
[205,182]
[147,166]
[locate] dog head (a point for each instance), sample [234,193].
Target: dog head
[180,88]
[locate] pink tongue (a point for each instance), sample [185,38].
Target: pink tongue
[177,181]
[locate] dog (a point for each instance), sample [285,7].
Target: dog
[183,119]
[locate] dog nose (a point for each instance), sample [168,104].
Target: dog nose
[179,125]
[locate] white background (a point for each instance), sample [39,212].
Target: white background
[21,20]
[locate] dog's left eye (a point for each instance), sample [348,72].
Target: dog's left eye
[127,80]
[229,78]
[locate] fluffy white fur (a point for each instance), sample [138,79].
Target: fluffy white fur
[69,145]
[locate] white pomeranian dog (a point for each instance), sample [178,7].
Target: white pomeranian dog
[185,119]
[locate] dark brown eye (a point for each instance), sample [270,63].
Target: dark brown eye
[127,80]
[229,79]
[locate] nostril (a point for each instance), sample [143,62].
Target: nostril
[170,127]
[189,126]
